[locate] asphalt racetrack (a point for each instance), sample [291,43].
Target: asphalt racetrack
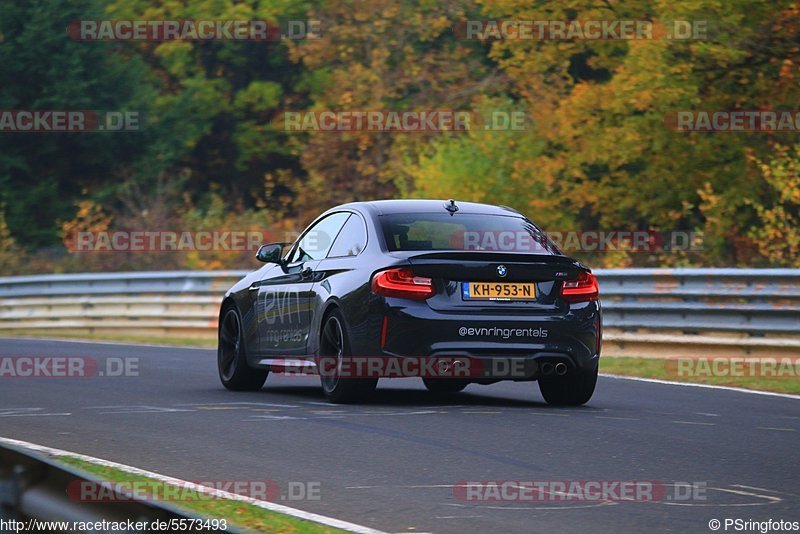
[396,463]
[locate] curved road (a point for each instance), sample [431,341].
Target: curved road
[392,463]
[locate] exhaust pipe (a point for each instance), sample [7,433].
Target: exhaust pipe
[561,369]
[547,368]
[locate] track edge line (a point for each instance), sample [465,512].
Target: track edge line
[273,507]
[697,385]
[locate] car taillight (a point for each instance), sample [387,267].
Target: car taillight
[403,284]
[583,289]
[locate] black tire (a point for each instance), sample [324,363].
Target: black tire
[234,373]
[445,385]
[572,389]
[335,343]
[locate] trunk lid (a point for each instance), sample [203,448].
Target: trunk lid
[450,270]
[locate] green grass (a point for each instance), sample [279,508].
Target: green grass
[661,369]
[239,514]
[118,338]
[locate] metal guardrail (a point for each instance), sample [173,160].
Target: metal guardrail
[36,490]
[753,301]
[160,303]
[195,282]
[732,307]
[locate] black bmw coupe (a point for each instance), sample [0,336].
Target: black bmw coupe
[452,292]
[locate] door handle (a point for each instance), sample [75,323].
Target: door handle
[307,272]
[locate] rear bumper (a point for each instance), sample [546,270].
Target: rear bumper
[523,342]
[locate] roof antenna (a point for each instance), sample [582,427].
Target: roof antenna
[451,206]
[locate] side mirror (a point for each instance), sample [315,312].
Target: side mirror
[270,253]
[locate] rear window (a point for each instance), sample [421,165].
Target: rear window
[467,232]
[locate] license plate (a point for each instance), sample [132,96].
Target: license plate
[497,291]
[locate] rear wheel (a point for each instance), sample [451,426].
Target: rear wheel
[334,347]
[234,373]
[444,385]
[572,389]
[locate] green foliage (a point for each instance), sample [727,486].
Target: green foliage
[604,106]
[778,234]
[42,68]
[483,165]
[216,99]
[11,256]
[596,153]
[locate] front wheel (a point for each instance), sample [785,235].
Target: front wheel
[334,347]
[234,373]
[572,389]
